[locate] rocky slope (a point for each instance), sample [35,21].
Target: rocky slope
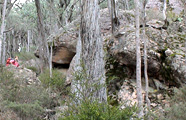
[166,62]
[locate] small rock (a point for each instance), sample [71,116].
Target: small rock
[134,95]
[111,66]
[166,103]
[127,87]
[153,104]
[160,96]
[168,52]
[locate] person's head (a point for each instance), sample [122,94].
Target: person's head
[16,58]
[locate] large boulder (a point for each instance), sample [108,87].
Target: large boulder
[62,55]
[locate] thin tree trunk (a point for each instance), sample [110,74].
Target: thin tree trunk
[28,41]
[70,14]
[43,47]
[145,56]
[126,4]
[20,42]
[51,3]
[4,50]
[10,7]
[63,4]
[109,6]
[184,2]
[50,64]
[53,17]
[114,19]
[138,62]
[2,28]
[10,44]
[164,9]
[14,42]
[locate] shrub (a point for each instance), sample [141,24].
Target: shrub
[25,100]
[99,111]
[27,110]
[34,69]
[56,82]
[25,56]
[177,108]
[8,115]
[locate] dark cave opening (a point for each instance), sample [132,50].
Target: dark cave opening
[61,66]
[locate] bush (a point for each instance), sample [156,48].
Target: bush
[177,108]
[25,56]
[27,110]
[99,111]
[34,69]
[8,115]
[56,82]
[25,100]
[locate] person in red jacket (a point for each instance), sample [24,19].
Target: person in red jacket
[12,61]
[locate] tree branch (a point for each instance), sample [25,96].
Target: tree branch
[8,30]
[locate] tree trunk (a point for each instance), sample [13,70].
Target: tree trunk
[90,55]
[4,50]
[184,2]
[164,9]
[14,41]
[2,29]
[70,13]
[109,6]
[50,64]
[53,17]
[126,4]
[114,19]
[138,62]
[63,6]
[145,56]
[28,41]
[43,47]
[10,6]
[20,42]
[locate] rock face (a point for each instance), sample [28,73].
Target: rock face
[62,55]
[166,62]
[178,68]
[127,95]
[164,46]
[161,44]
[65,43]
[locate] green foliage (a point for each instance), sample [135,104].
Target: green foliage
[171,16]
[114,70]
[180,19]
[84,86]
[177,108]
[24,18]
[84,107]
[25,56]
[34,69]
[25,100]
[103,4]
[99,111]
[30,110]
[56,82]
